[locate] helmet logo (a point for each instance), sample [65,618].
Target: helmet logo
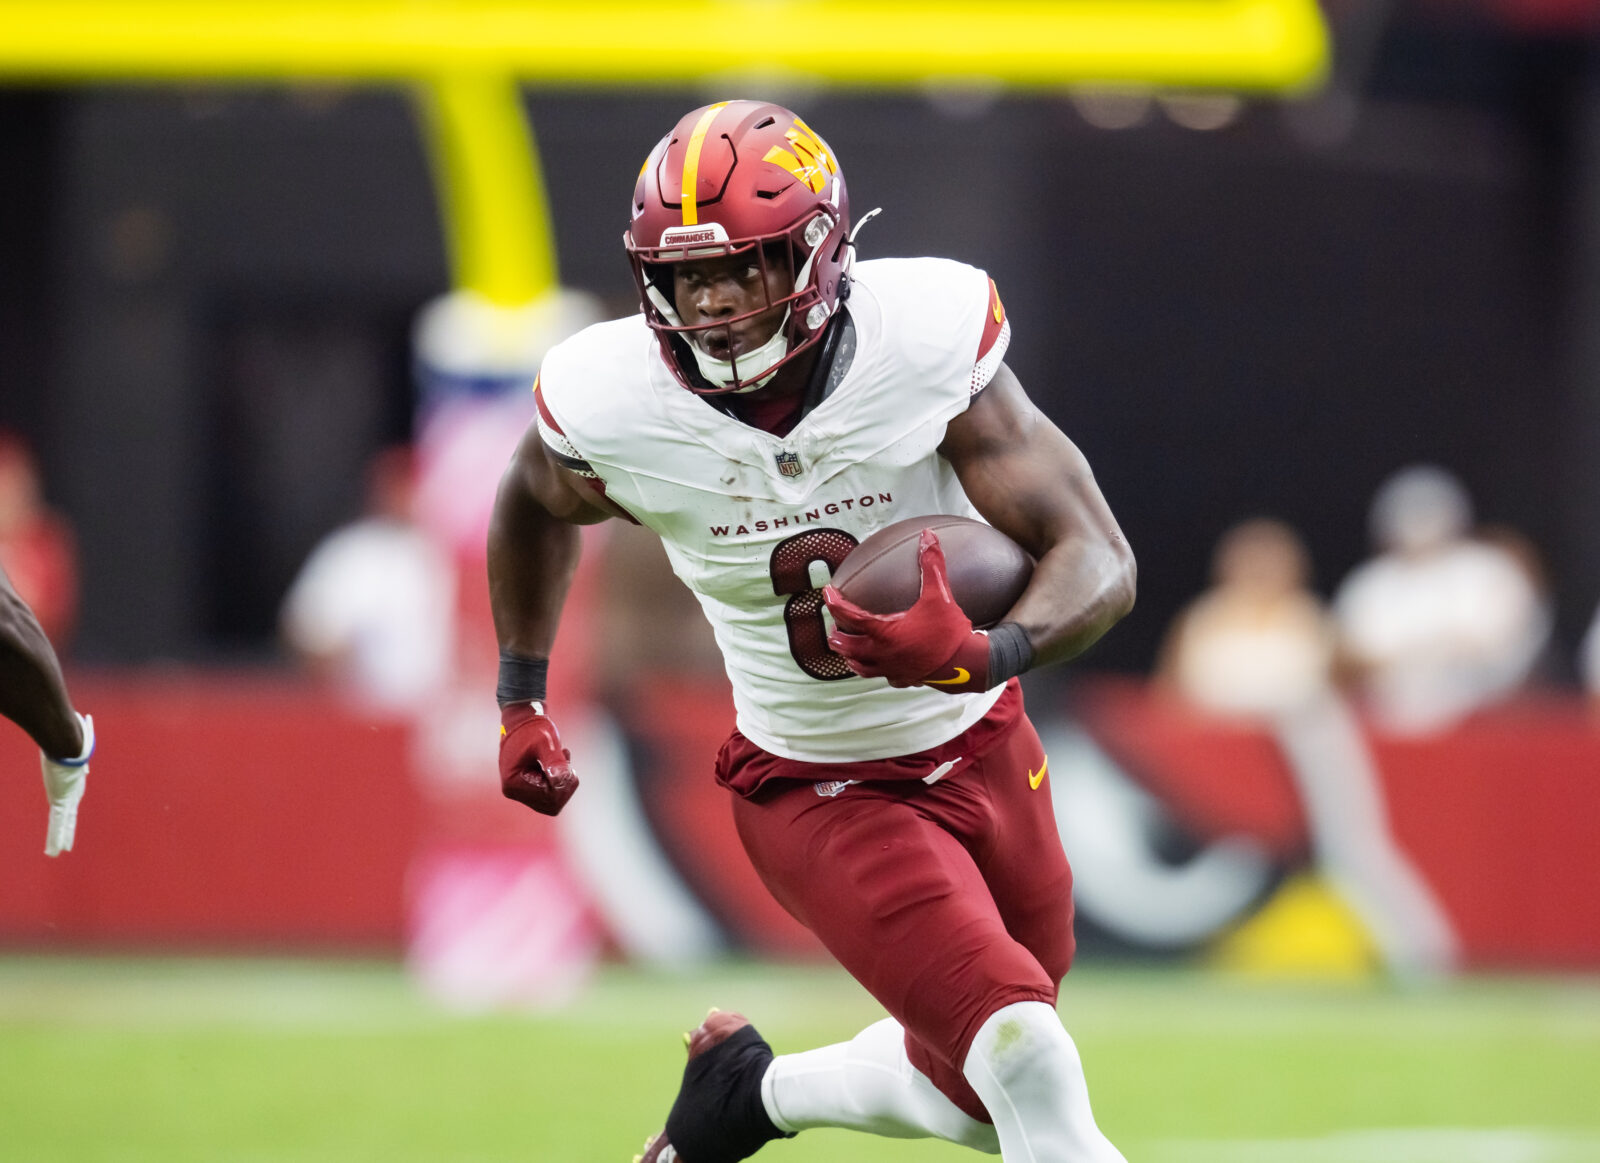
[810,162]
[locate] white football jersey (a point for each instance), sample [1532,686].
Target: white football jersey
[755,523]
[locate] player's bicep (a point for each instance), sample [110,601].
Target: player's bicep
[536,476]
[1022,472]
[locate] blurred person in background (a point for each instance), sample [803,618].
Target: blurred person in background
[1520,550]
[1259,647]
[33,695]
[1259,642]
[770,375]
[1439,623]
[36,545]
[373,607]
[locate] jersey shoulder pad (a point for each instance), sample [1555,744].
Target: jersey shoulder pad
[926,282]
[949,314]
[588,380]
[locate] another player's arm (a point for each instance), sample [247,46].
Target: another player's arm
[533,552]
[33,694]
[1031,482]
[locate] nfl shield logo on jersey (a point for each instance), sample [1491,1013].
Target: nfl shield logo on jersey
[789,463]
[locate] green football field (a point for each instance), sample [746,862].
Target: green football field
[250,1060]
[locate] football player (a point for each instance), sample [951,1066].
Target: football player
[774,403]
[34,696]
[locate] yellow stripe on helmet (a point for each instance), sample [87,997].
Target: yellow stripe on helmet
[691,162]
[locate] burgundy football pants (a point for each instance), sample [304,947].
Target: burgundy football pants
[946,902]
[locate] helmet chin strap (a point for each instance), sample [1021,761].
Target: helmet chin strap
[757,361]
[720,371]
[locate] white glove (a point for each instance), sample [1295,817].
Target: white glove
[64,781]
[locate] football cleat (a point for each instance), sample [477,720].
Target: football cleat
[718,1116]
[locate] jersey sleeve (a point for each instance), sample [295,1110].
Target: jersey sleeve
[566,454]
[992,343]
[561,447]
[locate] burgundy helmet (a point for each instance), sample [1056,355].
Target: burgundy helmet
[735,177]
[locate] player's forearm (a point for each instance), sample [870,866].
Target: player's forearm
[532,557]
[1080,589]
[32,692]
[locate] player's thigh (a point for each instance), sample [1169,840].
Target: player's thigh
[1025,866]
[899,901]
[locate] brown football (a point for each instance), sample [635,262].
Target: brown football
[988,571]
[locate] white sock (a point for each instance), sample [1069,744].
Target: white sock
[1026,1069]
[867,1084]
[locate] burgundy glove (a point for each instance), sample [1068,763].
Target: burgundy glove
[933,643]
[534,767]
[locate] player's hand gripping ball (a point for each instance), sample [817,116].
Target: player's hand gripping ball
[913,645]
[987,570]
[534,768]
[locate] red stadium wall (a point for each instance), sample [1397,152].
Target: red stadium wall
[229,812]
[1500,815]
[220,812]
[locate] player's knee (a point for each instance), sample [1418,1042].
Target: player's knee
[1025,1067]
[1024,1041]
[1004,974]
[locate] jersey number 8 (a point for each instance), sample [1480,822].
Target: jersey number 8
[795,574]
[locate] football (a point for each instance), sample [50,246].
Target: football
[988,571]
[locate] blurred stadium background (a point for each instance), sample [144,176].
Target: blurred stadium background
[278,270]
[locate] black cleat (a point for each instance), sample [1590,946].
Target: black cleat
[718,1116]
